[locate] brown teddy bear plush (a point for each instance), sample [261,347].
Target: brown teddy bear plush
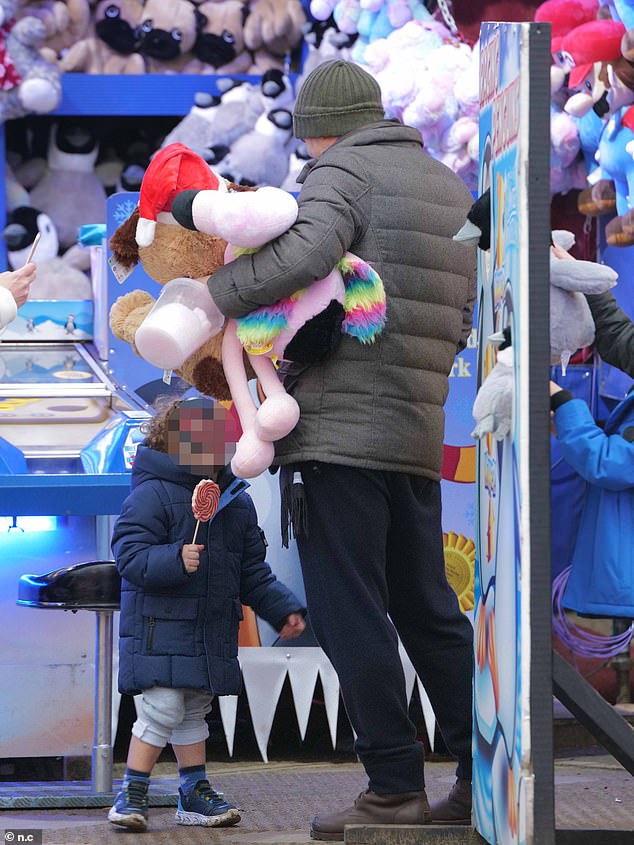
[274,26]
[219,46]
[168,33]
[112,48]
[175,252]
[169,251]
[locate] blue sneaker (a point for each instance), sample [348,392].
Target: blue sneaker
[205,807]
[130,808]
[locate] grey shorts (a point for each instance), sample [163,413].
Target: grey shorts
[176,716]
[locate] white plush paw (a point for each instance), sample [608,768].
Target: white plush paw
[277,416]
[39,95]
[498,429]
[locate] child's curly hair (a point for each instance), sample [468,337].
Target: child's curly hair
[156,428]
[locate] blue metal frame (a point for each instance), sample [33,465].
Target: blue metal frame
[136,96]
[79,495]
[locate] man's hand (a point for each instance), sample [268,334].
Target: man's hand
[19,282]
[191,557]
[293,627]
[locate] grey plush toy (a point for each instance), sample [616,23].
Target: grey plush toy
[261,156]
[571,328]
[571,323]
[218,121]
[28,83]
[70,191]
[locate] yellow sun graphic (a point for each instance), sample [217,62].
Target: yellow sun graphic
[459,566]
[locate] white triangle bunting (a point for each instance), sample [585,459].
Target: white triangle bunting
[228,712]
[330,685]
[263,672]
[302,673]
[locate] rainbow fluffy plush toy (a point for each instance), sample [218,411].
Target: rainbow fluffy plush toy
[274,330]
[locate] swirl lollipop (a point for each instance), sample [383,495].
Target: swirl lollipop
[205,502]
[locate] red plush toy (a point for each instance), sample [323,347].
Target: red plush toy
[565,15]
[592,43]
[591,46]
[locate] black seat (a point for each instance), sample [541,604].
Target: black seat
[82,586]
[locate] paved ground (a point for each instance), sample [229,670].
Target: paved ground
[279,798]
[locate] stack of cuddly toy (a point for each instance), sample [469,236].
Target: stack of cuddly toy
[53,197]
[179,36]
[428,76]
[28,82]
[429,80]
[246,133]
[592,83]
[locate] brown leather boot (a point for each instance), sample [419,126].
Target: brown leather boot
[456,809]
[370,808]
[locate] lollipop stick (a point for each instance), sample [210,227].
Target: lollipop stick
[34,247]
[196,531]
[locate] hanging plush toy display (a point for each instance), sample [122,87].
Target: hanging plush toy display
[28,83]
[590,46]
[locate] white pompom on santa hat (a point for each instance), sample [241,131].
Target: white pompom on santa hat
[173,169]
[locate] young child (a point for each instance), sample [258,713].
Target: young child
[181,603]
[601,580]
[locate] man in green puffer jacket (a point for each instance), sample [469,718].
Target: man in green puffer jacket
[369,441]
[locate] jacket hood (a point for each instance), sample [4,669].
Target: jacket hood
[381,132]
[148,463]
[622,411]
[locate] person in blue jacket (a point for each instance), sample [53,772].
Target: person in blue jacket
[601,580]
[181,603]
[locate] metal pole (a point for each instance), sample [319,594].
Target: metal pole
[103,537]
[102,747]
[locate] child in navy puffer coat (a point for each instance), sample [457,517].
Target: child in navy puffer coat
[181,603]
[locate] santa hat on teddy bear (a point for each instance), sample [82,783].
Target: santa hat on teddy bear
[173,169]
[596,41]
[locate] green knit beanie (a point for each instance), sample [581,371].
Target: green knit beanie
[336,98]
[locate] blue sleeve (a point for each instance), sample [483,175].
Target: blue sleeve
[604,460]
[259,588]
[141,546]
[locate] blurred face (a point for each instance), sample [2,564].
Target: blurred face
[200,438]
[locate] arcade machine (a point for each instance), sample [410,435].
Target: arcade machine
[68,434]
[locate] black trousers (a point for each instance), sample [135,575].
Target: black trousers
[374,547]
